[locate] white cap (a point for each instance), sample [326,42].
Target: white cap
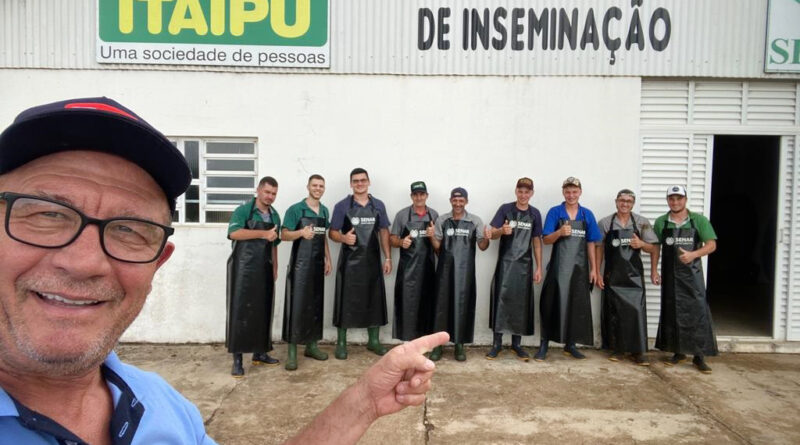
[676,190]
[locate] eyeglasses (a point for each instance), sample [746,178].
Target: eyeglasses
[50,224]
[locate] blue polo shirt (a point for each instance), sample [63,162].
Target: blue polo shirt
[559,212]
[341,208]
[146,411]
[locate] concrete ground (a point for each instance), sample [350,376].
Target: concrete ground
[749,398]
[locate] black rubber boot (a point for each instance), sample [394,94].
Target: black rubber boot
[701,364]
[373,344]
[571,351]
[676,359]
[460,354]
[313,351]
[641,359]
[341,344]
[291,361]
[517,347]
[436,354]
[237,371]
[262,358]
[497,346]
[541,354]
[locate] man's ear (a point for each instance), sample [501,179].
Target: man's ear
[168,249]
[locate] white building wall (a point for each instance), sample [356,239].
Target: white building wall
[478,132]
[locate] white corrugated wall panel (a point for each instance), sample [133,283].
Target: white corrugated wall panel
[380,36]
[758,104]
[793,276]
[665,102]
[771,103]
[784,248]
[717,103]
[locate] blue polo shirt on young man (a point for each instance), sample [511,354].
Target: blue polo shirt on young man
[341,208]
[559,212]
[500,217]
[147,410]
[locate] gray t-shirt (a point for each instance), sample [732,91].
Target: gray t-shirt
[401,218]
[643,224]
[437,231]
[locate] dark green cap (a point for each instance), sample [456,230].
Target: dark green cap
[418,186]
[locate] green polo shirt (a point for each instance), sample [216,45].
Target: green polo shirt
[297,211]
[701,223]
[242,213]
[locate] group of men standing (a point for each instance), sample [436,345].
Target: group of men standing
[435,288]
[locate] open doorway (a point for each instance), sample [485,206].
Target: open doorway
[744,212]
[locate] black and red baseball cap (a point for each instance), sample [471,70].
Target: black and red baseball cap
[100,124]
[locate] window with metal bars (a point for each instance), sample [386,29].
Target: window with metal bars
[224,176]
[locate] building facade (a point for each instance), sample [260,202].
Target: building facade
[476,93]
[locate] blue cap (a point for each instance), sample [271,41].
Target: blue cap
[99,124]
[459,192]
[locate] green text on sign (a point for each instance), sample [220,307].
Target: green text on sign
[220,22]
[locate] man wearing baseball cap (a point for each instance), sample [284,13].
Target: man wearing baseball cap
[623,317]
[455,236]
[412,231]
[684,326]
[565,305]
[87,190]
[519,227]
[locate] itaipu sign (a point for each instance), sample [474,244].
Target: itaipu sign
[261,33]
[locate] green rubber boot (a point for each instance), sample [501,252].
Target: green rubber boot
[461,355]
[341,344]
[373,344]
[313,351]
[436,354]
[291,361]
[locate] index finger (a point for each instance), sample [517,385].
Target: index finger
[428,342]
[408,356]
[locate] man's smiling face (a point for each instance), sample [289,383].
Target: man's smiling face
[62,310]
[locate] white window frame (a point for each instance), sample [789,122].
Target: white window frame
[202,181]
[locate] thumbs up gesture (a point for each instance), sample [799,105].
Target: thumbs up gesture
[271,234]
[506,228]
[308,232]
[636,243]
[349,238]
[685,256]
[487,232]
[566,229]
[430,230]
[406,242]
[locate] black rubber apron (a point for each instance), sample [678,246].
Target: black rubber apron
[623,318]
[685,323]
[512,308]
[565,306]
[415,281]
[305,284]
[454,308]
[360,294]
[250,292]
